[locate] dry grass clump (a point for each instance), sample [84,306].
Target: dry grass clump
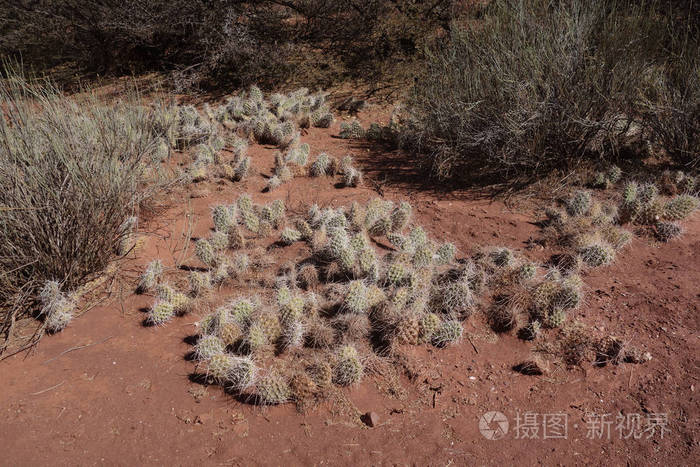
[75,172]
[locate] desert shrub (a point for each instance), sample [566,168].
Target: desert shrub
[214,42]
[535,86]
[73,172]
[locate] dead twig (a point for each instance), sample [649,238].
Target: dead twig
[76,348]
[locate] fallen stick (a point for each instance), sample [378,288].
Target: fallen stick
[76,348]
[47,389]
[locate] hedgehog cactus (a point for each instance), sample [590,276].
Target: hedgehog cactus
[367,259]
[150,277]
[223,218]
[502,257]
[396,273]
[598,255]
[273,389]
[219,367]
[205,252]
[251,221]
[446,253]
[614,174]
[381,226]
[161,312]
[526,271]
[348,369]
[568,296]
[255,338]
[418,237]
[289,236]
[305,230]
[542,296]
[352,130]
[321,167]
[556,318]
[245,202]
[429,325]
[448,332]
[667,231]
[356,298]
[629,192]
[680,207]
[219,241]
[292,311]
[400,216]
[423,256]
[229,333]
[242,374]
[647,193]
[60,314]
[579,203]
[352,177]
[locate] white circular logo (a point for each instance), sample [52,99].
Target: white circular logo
[493,425]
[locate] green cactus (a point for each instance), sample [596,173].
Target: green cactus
[526,271]
[219,367]
[614,174]
[401,297]
[289,236]
[680,207]
[242,374]
[629,192]
[359,242]
[352,177]
[223,218]
[429,325]
[400,216]
[352,130]
[256,339]
[542,297]
[555,318]
[579,204]
[321,166]
[446,253]
[292,311]
[219,241]
[356,297]
[151,276]
[283,296]
[161,312]
[647,193]
[418,237]
[448,332]
[396,273]
[347,259]
[381,226]
[423,256]
[568,296]
[367,259]
[273,389]
[251,221]
[398,240]
[245,202]
[205,252]
[348,369]
[598,255]
[667,231]
[60,314]
[503,257]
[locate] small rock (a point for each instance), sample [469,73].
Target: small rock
[371,419]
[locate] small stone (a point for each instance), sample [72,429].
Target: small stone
[371,419]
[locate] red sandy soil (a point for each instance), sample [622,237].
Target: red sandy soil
[108,390]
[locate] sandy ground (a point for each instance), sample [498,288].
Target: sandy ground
[109,390]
